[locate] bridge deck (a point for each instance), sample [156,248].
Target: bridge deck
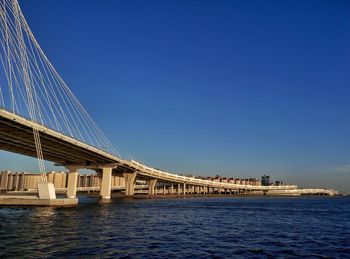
[16,135]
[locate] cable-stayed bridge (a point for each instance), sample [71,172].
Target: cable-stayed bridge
[41,117]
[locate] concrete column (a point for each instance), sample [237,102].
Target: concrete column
[21,182]
[106,183]
[9,182]
[25,182]
[85,180]
[3,180]
[50,177]
[164,189]
[151,186]
[172,189]
[64,179]
[130,181]
[15,182]
[184,192]
[72,183]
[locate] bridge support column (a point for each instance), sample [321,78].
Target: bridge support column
[151,186]
[184,189]
[4,180]
[172,189]
[106,182]
[72,183]
[164,189]
[130,181]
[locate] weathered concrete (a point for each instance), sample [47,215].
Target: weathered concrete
[46,191]
[130,181]
[16,200]
[72,183]
[196,189]
[151,186]
[4,180]
[105,191]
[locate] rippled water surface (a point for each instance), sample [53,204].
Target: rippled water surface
[191,227]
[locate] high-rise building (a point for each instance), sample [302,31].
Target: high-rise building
[265,180]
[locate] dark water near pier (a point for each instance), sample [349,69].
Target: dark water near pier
[193,227]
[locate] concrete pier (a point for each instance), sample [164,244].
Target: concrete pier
[16,200]
[130,181]
[151,187]
[106,181]
[72,183]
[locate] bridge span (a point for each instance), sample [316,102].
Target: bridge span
[16,135]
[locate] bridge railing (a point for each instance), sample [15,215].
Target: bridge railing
[191,180]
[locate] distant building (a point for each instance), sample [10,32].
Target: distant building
[278,183]
[265,180]
[254,181]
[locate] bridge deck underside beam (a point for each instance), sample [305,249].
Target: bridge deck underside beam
[18,138]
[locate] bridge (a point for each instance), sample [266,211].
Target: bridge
[16,135]
[40,117]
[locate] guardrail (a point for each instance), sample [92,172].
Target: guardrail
[159,174]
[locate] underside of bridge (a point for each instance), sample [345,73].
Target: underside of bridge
[18,138]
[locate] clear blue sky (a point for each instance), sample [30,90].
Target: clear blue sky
[237,88]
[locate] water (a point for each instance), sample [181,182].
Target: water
[193,227]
